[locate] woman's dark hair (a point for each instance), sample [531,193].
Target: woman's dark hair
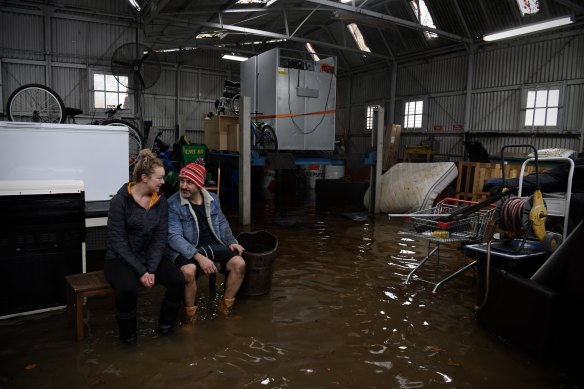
[145,164]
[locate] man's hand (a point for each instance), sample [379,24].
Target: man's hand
[236,247]
[147,280]
[207,266]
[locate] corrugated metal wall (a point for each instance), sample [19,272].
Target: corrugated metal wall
[500,75]
[61,48]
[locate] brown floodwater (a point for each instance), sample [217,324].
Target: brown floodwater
[338,316]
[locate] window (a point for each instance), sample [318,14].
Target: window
[413,114]
[370,117]
[108,92]
[423,15]
[541,107]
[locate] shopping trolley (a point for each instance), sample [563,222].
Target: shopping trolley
[447,222]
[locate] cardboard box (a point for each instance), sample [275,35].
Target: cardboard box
[391,145]
[233,137]
[217,131]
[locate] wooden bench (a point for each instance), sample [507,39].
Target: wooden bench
[94,283]
[80,286]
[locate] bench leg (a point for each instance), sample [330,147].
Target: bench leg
[70,304]
[212,285]
[79,315]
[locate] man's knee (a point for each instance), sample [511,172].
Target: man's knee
[237,265]
[189,271]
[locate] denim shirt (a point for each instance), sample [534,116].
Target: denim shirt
[183,229]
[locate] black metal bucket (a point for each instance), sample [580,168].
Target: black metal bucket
[259,255]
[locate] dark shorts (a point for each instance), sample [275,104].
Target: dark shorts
[215,252]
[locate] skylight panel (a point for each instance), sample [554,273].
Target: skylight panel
[424,17]
[312,52]
[528,7]
[358,37]
[211,35]
[134,4]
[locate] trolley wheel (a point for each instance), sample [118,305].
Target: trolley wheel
[552,241]
[134,138]
[35,103]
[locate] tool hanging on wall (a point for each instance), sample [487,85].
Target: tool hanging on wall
[525,216]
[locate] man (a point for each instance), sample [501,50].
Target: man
[200,239]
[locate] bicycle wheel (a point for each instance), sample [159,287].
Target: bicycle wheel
[268,141]
[35,103]
[235,105]
[134,138]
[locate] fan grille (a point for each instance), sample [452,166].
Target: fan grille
[137,62]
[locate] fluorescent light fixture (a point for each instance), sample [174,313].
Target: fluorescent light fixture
[270,2]
[553,23]
[234,57]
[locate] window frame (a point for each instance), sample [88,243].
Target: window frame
[422,115]
[525,110]
[369,116]
[130,111]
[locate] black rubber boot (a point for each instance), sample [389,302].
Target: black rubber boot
[127,327]
[168,314]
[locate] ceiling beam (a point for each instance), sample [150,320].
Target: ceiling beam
[391,19]
[152,10]
[253,31]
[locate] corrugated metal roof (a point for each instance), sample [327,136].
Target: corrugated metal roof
[389,26]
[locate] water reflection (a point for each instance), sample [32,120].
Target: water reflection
[338,315]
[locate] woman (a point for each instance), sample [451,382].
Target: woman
[136,239]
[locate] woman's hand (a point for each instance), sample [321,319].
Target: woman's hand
[236,247]
[147,280]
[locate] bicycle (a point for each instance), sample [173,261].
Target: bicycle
[264,136]
[40,104]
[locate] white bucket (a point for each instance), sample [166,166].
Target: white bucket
[269,180]
[313,173]
[332,172]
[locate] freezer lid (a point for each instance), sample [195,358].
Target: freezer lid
[35,187]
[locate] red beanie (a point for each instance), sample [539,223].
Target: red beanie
[194,172]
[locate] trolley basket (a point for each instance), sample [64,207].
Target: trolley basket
[430,223]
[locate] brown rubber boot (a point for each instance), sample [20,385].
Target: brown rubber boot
[225,306]
[190,314]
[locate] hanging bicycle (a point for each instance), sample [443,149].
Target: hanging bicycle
[35,103]
[40,104]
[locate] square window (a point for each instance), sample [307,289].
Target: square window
[108,92]
[413,114]
[542,107]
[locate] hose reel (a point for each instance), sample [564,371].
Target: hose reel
[526,216]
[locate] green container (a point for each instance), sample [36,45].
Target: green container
[193,153]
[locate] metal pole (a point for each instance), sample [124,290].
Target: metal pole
[375,187]
[244,161]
